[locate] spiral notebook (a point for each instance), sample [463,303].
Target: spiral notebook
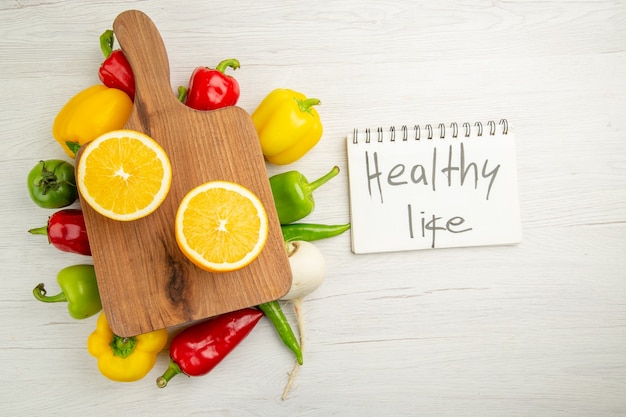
[433,186]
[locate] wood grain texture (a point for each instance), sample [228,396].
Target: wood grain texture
[145,281]
[533,330]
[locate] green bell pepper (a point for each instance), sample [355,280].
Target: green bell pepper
[78,288]
[51,184]
[293,194]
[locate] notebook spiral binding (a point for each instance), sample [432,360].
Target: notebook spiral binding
[430,131]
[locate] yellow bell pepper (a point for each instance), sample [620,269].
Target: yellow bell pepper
[288,125]
[89,114]
[125,359]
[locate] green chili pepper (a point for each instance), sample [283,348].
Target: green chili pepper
[78,288]
[310,231]
[293,194]
[274,313]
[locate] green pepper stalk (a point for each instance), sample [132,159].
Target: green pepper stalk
[78,288]
[310,231]
[275,314]
[293,194]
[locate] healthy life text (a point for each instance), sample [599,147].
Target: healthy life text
[458,171]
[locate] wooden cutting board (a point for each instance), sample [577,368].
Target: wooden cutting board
[145,282]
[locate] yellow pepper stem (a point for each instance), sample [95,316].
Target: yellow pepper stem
[123,346]
[305,105]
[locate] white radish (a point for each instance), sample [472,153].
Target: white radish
[308,268]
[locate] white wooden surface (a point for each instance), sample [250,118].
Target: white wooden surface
[537,329]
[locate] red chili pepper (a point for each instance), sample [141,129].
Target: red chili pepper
[211,89]
[66,231]
[196,350]
[115,71]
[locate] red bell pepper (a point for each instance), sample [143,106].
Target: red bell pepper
[211,89]
[66,231]
[197,349]
[115,71]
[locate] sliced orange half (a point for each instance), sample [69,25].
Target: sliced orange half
[221,226]
[124,175]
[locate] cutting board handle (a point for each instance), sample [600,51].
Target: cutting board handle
[143,46]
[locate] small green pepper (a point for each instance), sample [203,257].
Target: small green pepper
[293,194]
[275,314]
[78,288]
[51,184]
[310,231]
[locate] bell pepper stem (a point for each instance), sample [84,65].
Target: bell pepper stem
[40,293]
[182,94]
[43,230]
[106,43]
[305,105]
[73,146]
[172,370]
[49,180]
[123,346]
[322,180]
[232,63]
